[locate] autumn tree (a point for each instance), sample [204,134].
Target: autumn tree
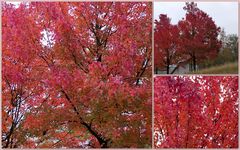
[199,35]
[196,112]
[76,75]
[167,48]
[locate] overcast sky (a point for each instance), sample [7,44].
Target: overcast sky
[225,14]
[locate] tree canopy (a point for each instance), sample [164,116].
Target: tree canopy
[76,74]
[196,112]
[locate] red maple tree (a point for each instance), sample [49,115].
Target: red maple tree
[199,35]
[76,75]
[196,112]
[167,50]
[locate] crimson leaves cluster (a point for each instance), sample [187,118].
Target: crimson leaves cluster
[196,112]
[76,75]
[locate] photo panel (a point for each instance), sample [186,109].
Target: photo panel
[196,111]
[195,37]
[76,74]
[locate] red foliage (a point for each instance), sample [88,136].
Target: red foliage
[196,112]
[199,35]
[76,74]
[167,50]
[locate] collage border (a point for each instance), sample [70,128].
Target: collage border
[164,75]
[153,75]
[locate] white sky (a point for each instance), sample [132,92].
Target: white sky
[14,3]
[225,14]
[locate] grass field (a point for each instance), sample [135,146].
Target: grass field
[230,68]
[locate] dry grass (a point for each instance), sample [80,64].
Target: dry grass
[230,68]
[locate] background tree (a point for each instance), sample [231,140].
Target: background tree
[228,52]
[196,112]
[76,75]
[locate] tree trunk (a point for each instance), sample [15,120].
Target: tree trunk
[156,70]
[168,69]
[168,65]
[188,124]
[194,63]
